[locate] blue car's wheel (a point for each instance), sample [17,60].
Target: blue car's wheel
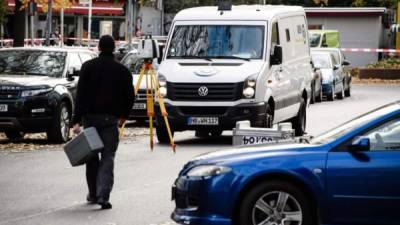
[276,203]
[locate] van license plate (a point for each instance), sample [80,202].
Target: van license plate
[203,121]
[139,106]
[3,108]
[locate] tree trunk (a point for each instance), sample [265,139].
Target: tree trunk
[19,25]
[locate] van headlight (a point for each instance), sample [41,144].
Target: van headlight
[162,81]
[208,171]
[249,88]
[36,91]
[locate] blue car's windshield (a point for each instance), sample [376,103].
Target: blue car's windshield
[353,124]
[217,41]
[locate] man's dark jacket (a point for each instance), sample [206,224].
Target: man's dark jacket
[105,87]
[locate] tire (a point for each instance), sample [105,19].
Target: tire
[269,116]
[267,200]
[347,93]
[341,93]
[59,130]
[312,99]
[201,133]
[216,133]
[162,134]
[319,97]
[331,97]
[15,135]
[299,122]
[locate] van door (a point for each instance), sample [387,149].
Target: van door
[288,103]
[277,74]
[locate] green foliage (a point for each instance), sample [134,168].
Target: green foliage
[174,6]
[390,63]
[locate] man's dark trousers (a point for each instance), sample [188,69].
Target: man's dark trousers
[100,171]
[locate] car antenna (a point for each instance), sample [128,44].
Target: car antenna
[224,6]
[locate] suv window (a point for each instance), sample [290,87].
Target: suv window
[274,35]
[74,61]
[85,56]
[385,137]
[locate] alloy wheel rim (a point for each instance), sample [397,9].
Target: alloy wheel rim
[64,122]
[277,208]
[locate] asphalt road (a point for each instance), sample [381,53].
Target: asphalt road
[42,188]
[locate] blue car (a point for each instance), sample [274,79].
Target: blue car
[349,175]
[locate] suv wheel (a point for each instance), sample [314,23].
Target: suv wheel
[162,133]
[15,135]
[276,202]
[299,122]
[347,92]
[59,130]
[341,93]
[312,100]
[319,97]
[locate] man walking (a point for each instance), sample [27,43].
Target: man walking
[104,99]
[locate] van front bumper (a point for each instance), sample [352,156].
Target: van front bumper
[178,116]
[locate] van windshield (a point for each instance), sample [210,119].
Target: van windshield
[314,40]
[217,41]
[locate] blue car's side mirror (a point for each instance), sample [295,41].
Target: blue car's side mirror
[360,144]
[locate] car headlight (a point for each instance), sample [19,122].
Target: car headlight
[249,89]
[162,81]
[208,171]
[35,92]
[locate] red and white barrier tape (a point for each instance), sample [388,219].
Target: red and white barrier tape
[372,50]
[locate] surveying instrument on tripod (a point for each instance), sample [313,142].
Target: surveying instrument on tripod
[148,50]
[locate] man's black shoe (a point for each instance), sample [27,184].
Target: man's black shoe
[105,205]
[91,199]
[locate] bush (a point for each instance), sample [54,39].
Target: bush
[391,63]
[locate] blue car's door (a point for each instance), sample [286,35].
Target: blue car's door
[364,187]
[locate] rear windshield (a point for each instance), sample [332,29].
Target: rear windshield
[321,61]
[32,62]
[314,40]
[217,41]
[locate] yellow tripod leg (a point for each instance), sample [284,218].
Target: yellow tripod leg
[121,131]
[163,110]
[150,110]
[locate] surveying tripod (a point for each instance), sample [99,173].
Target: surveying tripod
[152,90]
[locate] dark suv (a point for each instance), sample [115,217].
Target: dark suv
[37,90]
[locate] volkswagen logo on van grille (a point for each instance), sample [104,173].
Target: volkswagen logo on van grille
[203,91]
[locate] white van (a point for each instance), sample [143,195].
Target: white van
[243,63]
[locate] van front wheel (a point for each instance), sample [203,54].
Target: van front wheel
[299,122]
[269,116]
[162,133]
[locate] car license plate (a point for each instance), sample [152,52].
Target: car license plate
[139,106]
[203,121]
[3,108]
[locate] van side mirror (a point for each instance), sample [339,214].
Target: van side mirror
[71,73]
[360,144]
[346,63]
[335,67]
[276,57]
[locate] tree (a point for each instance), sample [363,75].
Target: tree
[57,4]
[3,11]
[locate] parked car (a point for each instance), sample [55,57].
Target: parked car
[332,78]
[224,71]
[37,90]
[348,175]
[343,65]
[316,85]
[122,49]
[134,64]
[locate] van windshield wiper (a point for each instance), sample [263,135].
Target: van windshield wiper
[190,57]
[230,57]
